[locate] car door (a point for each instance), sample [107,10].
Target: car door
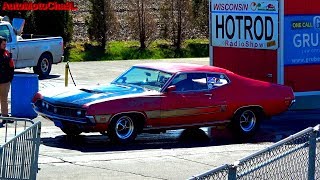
[190,104]
[220,90]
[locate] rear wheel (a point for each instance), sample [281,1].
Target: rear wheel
[246,122]
[123,129]
[43,67]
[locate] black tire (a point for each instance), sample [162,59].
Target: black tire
[71,131]
[44,65]
[123,129]
[246,122]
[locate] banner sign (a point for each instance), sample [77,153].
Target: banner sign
[302,40]
[245,24]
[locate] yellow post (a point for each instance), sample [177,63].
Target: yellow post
[66,69]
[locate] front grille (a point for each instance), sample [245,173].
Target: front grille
[60,110]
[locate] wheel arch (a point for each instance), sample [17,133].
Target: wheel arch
[258,108]
[137,116]
[48,53]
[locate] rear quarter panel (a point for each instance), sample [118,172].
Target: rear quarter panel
[250,92]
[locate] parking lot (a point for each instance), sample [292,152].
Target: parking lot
[175,155]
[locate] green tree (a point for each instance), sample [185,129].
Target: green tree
[177,16]
[53,23]
[142,21]
[102,22]
[200,9]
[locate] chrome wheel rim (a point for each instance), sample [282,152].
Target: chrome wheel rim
[44,65]
[248,120]
[124,127]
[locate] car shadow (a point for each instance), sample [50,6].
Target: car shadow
[101,143]
[272,130]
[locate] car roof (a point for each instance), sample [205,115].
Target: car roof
[181,67]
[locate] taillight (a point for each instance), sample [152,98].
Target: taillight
[36,97]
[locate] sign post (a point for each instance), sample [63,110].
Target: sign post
[280,50]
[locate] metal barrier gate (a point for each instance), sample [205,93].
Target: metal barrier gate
[19,156]
[296,157]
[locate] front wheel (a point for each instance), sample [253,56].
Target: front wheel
[122,129]
[246,122]
[43,67]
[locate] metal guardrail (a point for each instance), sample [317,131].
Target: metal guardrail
[19,156]
[295,157]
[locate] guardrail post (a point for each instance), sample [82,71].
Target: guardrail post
[312,155]
[232,175]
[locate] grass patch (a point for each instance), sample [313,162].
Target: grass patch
[124,50]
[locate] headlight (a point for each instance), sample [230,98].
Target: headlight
[79,113]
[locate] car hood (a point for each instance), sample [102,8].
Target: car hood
[84,95]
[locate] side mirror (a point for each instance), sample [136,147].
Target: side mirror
[171,88]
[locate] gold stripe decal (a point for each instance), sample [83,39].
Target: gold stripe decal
[153,114]
[184,112]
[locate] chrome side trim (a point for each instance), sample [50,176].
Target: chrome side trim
[292,103]
[91,119]
[189,125]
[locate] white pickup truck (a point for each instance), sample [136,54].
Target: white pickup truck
[27,51]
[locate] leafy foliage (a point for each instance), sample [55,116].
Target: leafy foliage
[53,23]
[102,22]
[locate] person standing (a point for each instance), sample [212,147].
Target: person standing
[6,76]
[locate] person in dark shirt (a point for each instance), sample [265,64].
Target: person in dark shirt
[6,76]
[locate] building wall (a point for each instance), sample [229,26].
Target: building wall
[259,64]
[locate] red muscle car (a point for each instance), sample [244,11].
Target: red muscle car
[163,96]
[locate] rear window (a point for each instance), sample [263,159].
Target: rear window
[4,32]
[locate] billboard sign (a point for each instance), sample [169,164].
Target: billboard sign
[245,24]
[302,40]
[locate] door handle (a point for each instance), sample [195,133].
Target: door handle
[208,95]
[13,48]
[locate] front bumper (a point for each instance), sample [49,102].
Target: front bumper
[53,116]
[85,124]
[292,103]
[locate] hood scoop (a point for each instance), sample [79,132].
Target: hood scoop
[91,91]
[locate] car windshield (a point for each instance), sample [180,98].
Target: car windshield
[150,79]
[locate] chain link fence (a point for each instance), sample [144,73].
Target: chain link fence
[317,173]
[296,157]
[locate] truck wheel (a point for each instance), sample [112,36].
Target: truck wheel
[43,67]
[123,129]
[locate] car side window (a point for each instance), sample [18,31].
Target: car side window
[5,32]
[216,80]
[190,82]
